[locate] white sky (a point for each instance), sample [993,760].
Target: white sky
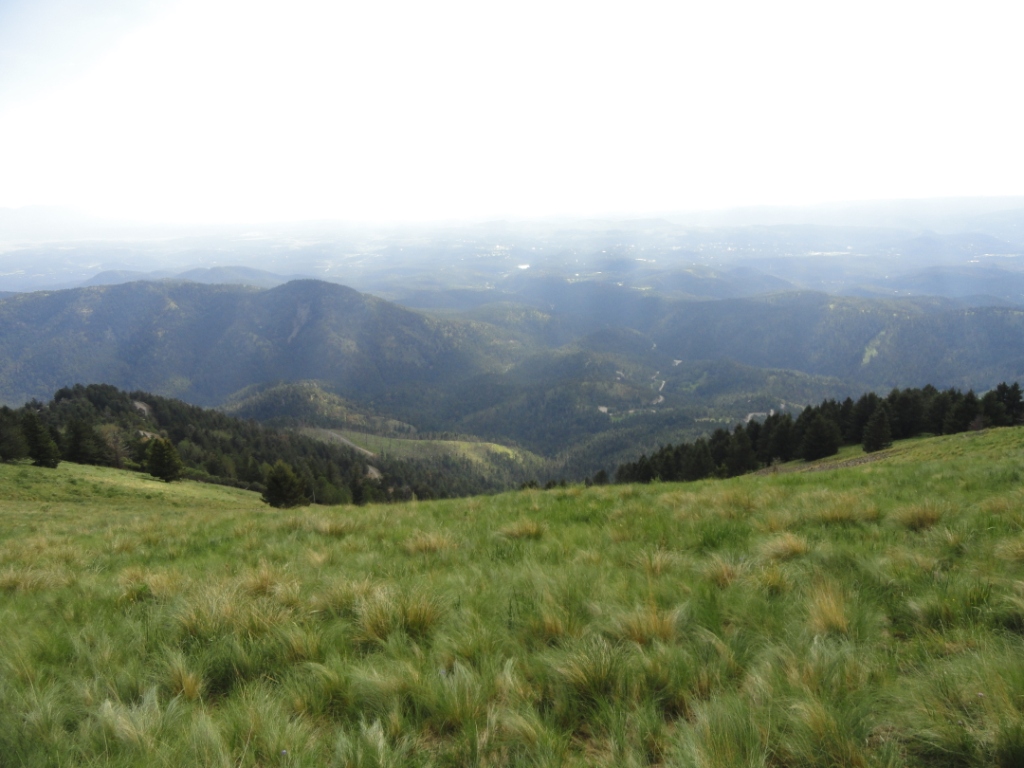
[242,110]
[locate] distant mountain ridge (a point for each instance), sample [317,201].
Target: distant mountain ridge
[203,343]
[587,371]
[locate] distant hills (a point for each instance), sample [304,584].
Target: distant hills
[584,342]
[584,372]
[203,343]
[256,278]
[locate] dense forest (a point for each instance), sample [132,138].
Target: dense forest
[819,431]
[102,425]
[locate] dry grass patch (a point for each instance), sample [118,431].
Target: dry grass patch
[657,562]
[907,563]
[918,517]
[384,612]
[138,584]
[721,572]
[734,503]
[784,547]
[1011,549]
[773,580]
[775,521]
[523,529]
[219,610]
[301,644]
[427,543]
[340,598]
[645,625]
[14,579]
[181,680]
[829,508]
[1005,505]
[553,624]
[265,580]
[827,610]
[334,526]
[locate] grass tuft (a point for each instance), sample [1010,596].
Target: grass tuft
[428,543]
[523,529]
[721,572]
[827,612]
[644,626]
[919,517]
[1011,549]
[785,546]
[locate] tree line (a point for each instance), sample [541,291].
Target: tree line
[101,425]
[818,431]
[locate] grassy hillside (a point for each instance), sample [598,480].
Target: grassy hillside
[858,616]
[480,453]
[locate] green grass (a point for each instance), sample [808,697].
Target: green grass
[862,616]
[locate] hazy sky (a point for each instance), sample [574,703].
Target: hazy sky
[205,110]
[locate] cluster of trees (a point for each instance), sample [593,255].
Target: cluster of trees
[872,421]
[22,435]
[102,425]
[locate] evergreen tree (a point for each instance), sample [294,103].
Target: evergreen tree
[821,439]
[12,438]
[740,457]
[964,410]
[284,489]
[877,434]
[780,445]
[862,410]
[164,461]
[699,463]
[82,445]
[41,447]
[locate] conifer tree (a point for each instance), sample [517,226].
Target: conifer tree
[41,447]
[164,461]
[877,432]
[821,439]
[284,489]
[12,438]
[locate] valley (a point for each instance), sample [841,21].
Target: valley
[585,343]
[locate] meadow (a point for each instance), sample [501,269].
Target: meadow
[867,615]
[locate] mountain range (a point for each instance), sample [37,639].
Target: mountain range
[584,372]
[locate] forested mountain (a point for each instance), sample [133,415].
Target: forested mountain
[866,343]
[586,373]
[99,424]
[203,343]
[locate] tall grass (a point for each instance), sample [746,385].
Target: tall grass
[868,616]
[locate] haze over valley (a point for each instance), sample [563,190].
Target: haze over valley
[584,341]
[577,231]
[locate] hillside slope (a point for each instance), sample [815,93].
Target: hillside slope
[869,615]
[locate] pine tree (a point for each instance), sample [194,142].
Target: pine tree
[82,445]
[740,457]
[164,461]
[821,439]
[12,437]
[41,447]
[284,489]
[698,463]
[877,433]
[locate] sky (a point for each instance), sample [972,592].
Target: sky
[392,110]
